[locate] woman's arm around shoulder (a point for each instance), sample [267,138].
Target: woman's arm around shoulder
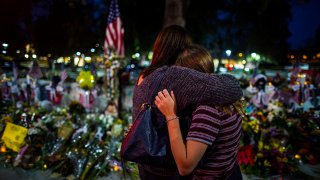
[194,87]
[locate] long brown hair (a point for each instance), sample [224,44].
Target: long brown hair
[169,43]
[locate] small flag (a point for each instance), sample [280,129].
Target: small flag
[114,32]
[15,71]
[35,71]
[63,75]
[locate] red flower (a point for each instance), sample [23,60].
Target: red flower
[245,155]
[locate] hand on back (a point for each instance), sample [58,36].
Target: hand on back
[166,103]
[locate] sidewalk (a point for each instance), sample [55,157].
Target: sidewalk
[22,174]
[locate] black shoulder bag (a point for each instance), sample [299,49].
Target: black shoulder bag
[147,141]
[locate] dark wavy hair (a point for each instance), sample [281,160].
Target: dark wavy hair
[168,45]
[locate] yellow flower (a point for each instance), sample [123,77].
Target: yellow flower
[316,132]
[260,145]
[254,124]
[267,147]
[117,128]
[281,149]
[266,163]
[260,113]
[259,155]
[276,145]
[285,160]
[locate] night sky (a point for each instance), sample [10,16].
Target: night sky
[305,21]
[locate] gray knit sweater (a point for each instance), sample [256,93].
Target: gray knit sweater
[189,86]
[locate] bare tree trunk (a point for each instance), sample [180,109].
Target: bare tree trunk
[174,12]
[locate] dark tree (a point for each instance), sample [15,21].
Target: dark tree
[16,23]
[62,27]
[142,20]
[246,26]
[70,26]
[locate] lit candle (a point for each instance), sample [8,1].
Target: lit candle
[3,148]
[116,168]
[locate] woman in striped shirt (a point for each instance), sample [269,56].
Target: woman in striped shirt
[210,150]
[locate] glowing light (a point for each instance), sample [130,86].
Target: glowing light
[81,62]
[222,69]
[66,60]
[18,51]
[136,55]
[244,61]
[292,56]
[253,54]
[26,55]
[4,52]
[239,66]
[3,148]
[5,44]
[78,53]
[150,55]
[76,60]
[305,57]
[116,168]
[60,60]
[87,59]
[228,52]
[92,79]
[297,156]
[34,56]
[240,54]
[45,166]
[246,69]
[92,50]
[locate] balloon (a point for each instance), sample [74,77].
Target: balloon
[85,80]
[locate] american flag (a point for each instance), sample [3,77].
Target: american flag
[114,31]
